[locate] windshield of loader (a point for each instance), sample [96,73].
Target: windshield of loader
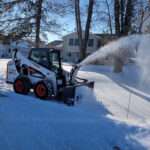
[47,58]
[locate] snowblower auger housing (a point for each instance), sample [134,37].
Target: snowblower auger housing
[42,71]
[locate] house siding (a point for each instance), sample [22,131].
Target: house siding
[71,50]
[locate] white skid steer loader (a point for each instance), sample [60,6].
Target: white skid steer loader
[42,73]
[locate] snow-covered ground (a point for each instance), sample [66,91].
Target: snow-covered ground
[97,123]
[123,94]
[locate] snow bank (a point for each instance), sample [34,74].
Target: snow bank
[143,60]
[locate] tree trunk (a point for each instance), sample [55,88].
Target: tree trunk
[38,22]
[141,21]
[128,17]
[109,17]
[83,38]
[78,26]
[117,16]
[118,65]
[87,28]
[122,10]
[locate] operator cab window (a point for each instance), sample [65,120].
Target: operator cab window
[46,58]
[35,56]
[39,57]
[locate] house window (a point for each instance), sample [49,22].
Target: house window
[91,42]
[76,42]
[71,42]
[98,43]
[69,55]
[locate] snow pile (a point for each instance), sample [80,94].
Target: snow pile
[115,91]
[143,60]
[123,48]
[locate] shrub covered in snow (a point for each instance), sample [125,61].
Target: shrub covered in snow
[143,58]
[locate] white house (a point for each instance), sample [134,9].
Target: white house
[71,50]
[58,44]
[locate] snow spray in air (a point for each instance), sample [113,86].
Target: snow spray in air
[123,48]
[133,46]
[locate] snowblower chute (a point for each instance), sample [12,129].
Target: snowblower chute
[42,72]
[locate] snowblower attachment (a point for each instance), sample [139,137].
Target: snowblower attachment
[69,92]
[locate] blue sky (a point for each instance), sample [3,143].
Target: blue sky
[69,26]
[69,23]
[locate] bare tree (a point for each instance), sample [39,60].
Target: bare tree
[109,17]
[128,17]
[38,22]
[83,35]
[103,15]
[78,24]
[123,12]
[117,16]
[143,14]
[35,18]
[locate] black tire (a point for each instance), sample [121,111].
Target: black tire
[22,85]
[41,90]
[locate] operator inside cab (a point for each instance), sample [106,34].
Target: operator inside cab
[48,58]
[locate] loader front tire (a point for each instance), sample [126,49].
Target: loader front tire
[21,85]
[41,90]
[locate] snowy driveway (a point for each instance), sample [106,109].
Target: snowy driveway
[122,94]
[27,123]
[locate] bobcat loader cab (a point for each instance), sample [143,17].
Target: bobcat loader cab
[42,72]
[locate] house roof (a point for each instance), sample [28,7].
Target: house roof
[98,35]
[105,35]
[72,33]
[56,44]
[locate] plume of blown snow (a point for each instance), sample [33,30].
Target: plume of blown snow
[123,48]
[137,46]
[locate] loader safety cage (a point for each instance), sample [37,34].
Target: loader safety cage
[46,57]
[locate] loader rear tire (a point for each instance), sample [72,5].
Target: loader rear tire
[41,90]
[22,85]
